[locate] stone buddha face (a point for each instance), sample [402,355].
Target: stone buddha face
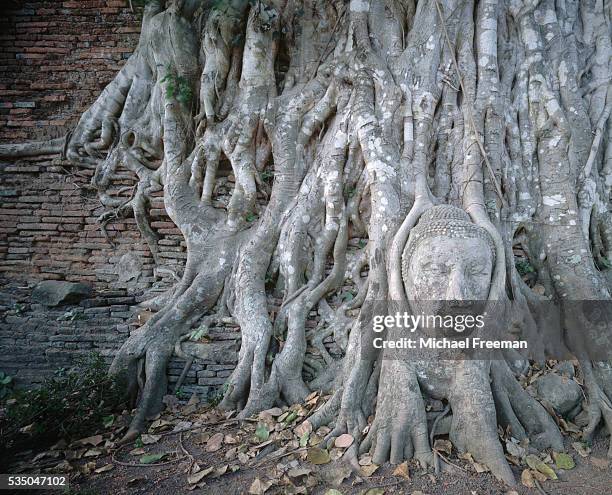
[447,269]
[447,262]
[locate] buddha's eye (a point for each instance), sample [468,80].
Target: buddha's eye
[476,270]
[438,268]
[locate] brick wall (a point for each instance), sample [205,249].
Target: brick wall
[55,58]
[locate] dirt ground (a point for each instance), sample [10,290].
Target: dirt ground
[186,452]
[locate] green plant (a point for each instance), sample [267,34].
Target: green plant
[19,308]
[524,267]
[6,385]
[251,217]
[347,296]
[180,393]
[72,315]
[177,87]
[71,403]
[216,398]
[198,334]
[266,174]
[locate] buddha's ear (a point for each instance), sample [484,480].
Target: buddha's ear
[408,285]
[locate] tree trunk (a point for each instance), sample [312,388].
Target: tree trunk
[366,113]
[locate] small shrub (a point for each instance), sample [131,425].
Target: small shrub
[72,403]
[6,385]
[216,398]
[524,267]
[177,87]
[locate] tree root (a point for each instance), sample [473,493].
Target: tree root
[598,387]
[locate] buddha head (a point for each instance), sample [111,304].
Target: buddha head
[447,258]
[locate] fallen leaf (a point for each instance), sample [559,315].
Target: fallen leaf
[93,441]
[230,440]
[375,491]
[103,469]
[200,437]
[297,472]
[262,445]
[315,440]
[87,468]
[582,449]
[160,424]
[28,429]
[182,425]
[214,443]
[568,426]
[443,446]
[336,475]
[149,439]
[333,491]
[563,460]
[402,470]
[259,487]
[290,417]
[317,456]
[344,441]
[62,467]
[541,477]
[369,470]
[479,467]
[303,428]
[311,396]
[138,451]
[151,458]
[274,412]
[515,449]
[220,471]
[527,478]
[198,476]
[535,463]
[62,444]
[92,453]
[262,433]
[366,460]
[304,439]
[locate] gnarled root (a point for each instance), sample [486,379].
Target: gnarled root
[406,436]
[474,425]
[598,387]
[517,410]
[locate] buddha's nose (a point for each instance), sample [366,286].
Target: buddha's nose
[457,287]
